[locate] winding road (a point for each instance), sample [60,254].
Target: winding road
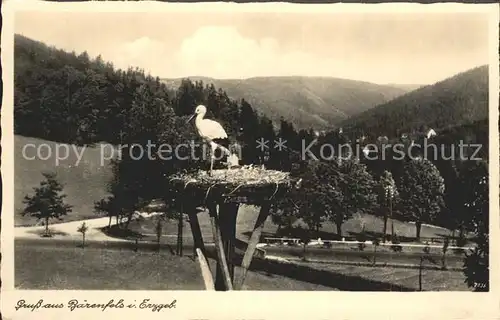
[66,234]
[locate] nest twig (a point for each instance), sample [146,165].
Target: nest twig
[254,183]
[244,176]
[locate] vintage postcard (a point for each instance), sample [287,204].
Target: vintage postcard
[249,161]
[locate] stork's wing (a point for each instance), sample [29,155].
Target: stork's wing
[212,130]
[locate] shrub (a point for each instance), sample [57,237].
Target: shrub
[327,245]
[292,244]
[361,246]
[461,241]
[361,237]
[395,244]
[397,248]
[395,239]
[427,249]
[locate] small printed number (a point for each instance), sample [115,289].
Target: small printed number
[479,285]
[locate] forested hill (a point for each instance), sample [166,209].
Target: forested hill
[460,99]
[68,97]
[317,102]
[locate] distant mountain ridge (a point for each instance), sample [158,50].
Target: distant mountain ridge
[407,87]
[319,102]
[457,100]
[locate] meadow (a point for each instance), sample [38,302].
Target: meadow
[63,265]
[83,183]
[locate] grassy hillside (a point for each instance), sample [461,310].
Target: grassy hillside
[83,183]
[460,99]
[305,101]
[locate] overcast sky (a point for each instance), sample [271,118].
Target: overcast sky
[379,48]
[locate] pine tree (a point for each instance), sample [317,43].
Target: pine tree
[47,202]
[289,138]
[268,156]
[250,133]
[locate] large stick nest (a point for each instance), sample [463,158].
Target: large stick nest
[250,184]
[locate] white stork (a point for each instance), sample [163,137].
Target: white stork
[210,131]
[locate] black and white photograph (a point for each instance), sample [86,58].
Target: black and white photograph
[251,150]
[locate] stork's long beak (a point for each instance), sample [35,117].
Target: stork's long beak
[190,118]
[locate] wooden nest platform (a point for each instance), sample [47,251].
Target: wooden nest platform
[222,193]
[247,184]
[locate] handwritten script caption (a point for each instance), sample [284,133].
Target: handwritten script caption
[75,304]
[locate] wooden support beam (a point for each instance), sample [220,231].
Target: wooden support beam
[252,243]
[228,195]
[228,213]
[219,248]
[242,246]
[205,271]
[196,232]
[180,233]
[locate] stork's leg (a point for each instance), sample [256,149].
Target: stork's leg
[211,164]
[212,156]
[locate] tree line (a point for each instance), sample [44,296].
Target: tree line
[459,100]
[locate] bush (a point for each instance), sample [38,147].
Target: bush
[327,245]
[397,248]
[361,237]
[395,239]
[427,249]
[361,246]
[395,244]
[461,241]
[446,244]
[293,244]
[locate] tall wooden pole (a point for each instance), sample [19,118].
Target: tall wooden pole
[392,220]
[252,243]
[223,278]
[227,220]
[179,234]
[420,274]
[196,231]
[205,270]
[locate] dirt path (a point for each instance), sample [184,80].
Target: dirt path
[68,230]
